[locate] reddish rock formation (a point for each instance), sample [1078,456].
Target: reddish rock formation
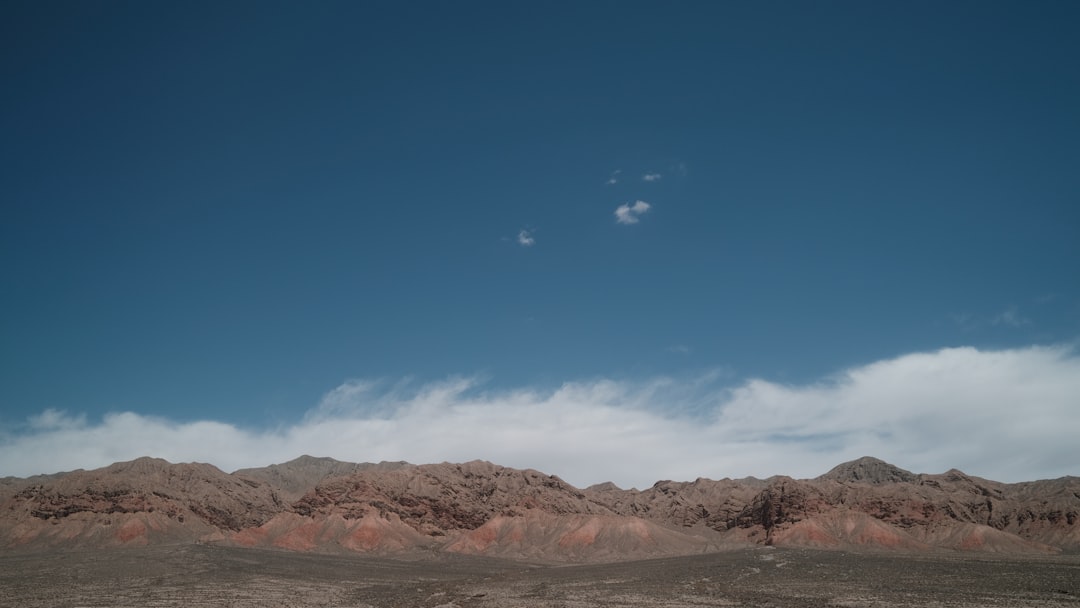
[143,501]
[868,502]
[319,504]
[544,536]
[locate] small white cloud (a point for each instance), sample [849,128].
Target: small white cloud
[526,239]
[679,349]
[628,214]
[614,179]
[651,177]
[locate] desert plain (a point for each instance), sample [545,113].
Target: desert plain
[194,575]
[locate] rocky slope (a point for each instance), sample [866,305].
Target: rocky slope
[475,508]
[292,479]
[144,501]
[320,504]
[868,502]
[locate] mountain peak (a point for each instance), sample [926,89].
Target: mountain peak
[307,459]
[607,486]
[868,470]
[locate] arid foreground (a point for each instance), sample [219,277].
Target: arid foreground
[200,575]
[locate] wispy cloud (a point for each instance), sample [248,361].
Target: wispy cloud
[965,320]
[923,411]
[525,238]
[651,177]
[614,179]
[628,214]
[1010,318]
[52,420]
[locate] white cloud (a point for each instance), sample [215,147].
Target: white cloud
[526,239]
[628,214]
[1008,415]
[52,419]
[651,177]
[614,179]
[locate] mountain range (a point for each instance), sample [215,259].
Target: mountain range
[395,508]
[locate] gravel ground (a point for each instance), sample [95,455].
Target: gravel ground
[197,575]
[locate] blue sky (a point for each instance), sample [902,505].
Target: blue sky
[233,214]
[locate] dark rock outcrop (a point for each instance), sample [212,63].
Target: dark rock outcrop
[868,470]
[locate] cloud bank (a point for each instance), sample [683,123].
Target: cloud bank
[628,214]
[1008,415]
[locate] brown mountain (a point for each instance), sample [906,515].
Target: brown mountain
[321,504]
[147,500]
[292,479]
[475,507]
[868,470]
[870,503]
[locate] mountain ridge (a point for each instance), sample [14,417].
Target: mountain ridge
[396,508]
